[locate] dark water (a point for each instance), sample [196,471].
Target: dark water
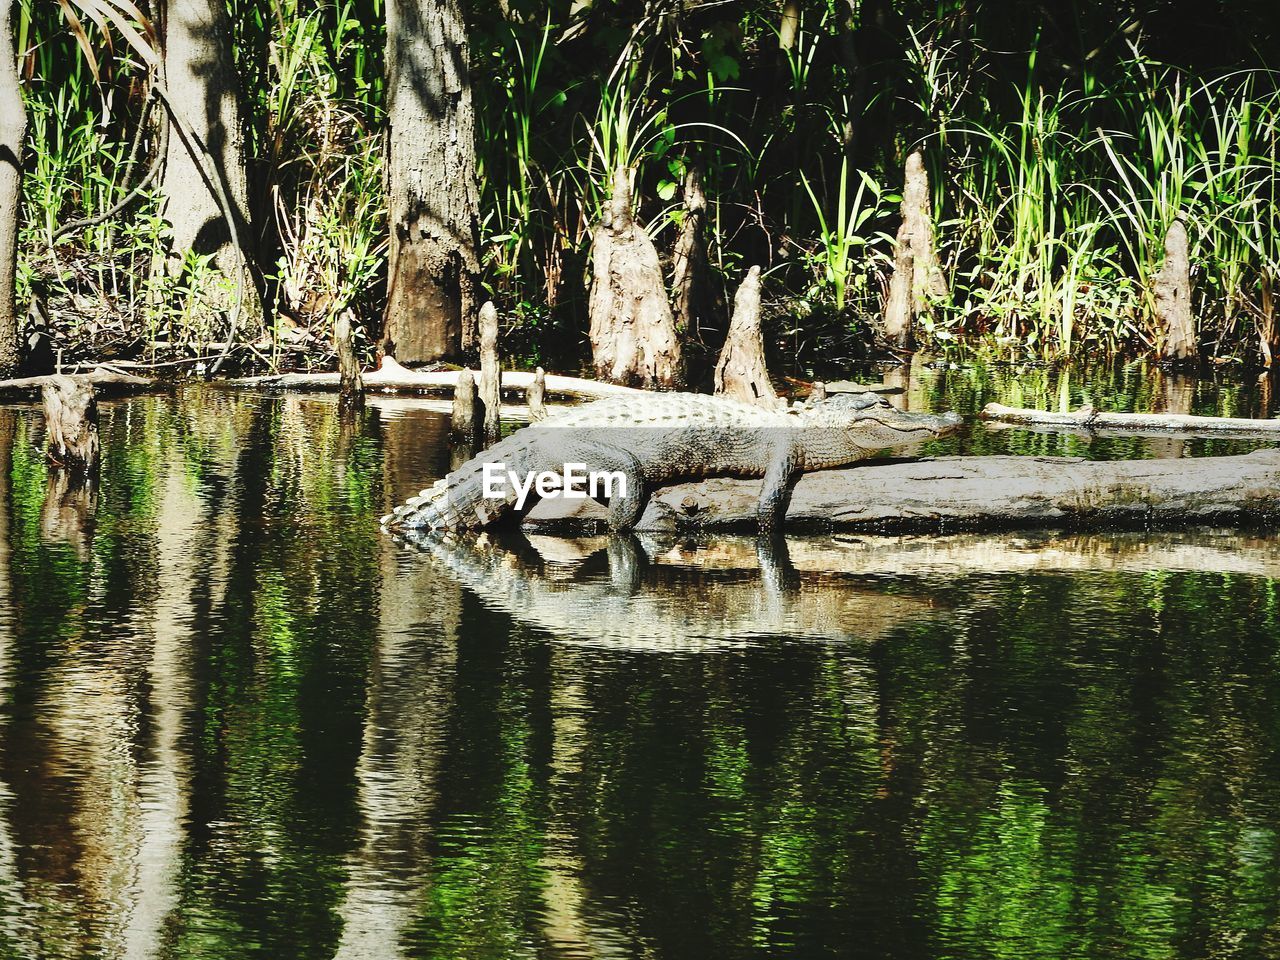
[238,721]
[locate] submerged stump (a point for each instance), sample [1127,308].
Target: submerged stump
[633,333]
[466,425]
[71,421]
[350,381]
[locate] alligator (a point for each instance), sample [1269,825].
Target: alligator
[663,438]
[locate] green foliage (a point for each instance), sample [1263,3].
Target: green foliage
[1058,159]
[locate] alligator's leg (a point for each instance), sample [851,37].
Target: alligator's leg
[627,561]
[625,505]
[626,498]
[775,492]
[776,571]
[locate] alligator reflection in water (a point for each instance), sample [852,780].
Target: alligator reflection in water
[549,582]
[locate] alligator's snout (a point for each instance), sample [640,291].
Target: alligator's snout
[948,422]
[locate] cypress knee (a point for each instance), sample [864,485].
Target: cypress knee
[633,333]
[535,395]
[1173,297]
[490,374]
[466,425]
[741,373]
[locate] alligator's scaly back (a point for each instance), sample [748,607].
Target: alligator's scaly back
[457,501]
[661,437]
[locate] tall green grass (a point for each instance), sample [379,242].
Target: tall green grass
[1052,190]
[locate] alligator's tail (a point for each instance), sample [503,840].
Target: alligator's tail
[458,501]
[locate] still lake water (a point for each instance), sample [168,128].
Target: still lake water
[236,720]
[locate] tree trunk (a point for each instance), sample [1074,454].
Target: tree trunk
[1173,297]
[695,303]
[789,26]
[431,183]
[742,373]
[203,90]
[13,131]
[917,274]
[633,335]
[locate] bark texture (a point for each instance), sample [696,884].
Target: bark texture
[208,142]
[633,335]
[1173,296]
[490,374]
[13,130]
[917,274]
[741,374]
[692,294]
[71,423]
[431,183]
[350,382]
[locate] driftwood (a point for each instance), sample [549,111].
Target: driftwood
[633,334]
[350,384]
[465,421]
[391,377]
[535,395]
[490,374]
[106,381]
[71,423]
[917,273]
[1173,296]
[741,373]
[982,493]
[1158,423]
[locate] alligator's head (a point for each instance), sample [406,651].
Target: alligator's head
[869,422]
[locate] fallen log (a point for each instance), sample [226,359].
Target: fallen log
[107,383]
[1088,418]
[950,494]
[391,377]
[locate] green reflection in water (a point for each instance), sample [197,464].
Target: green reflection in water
[236,720]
